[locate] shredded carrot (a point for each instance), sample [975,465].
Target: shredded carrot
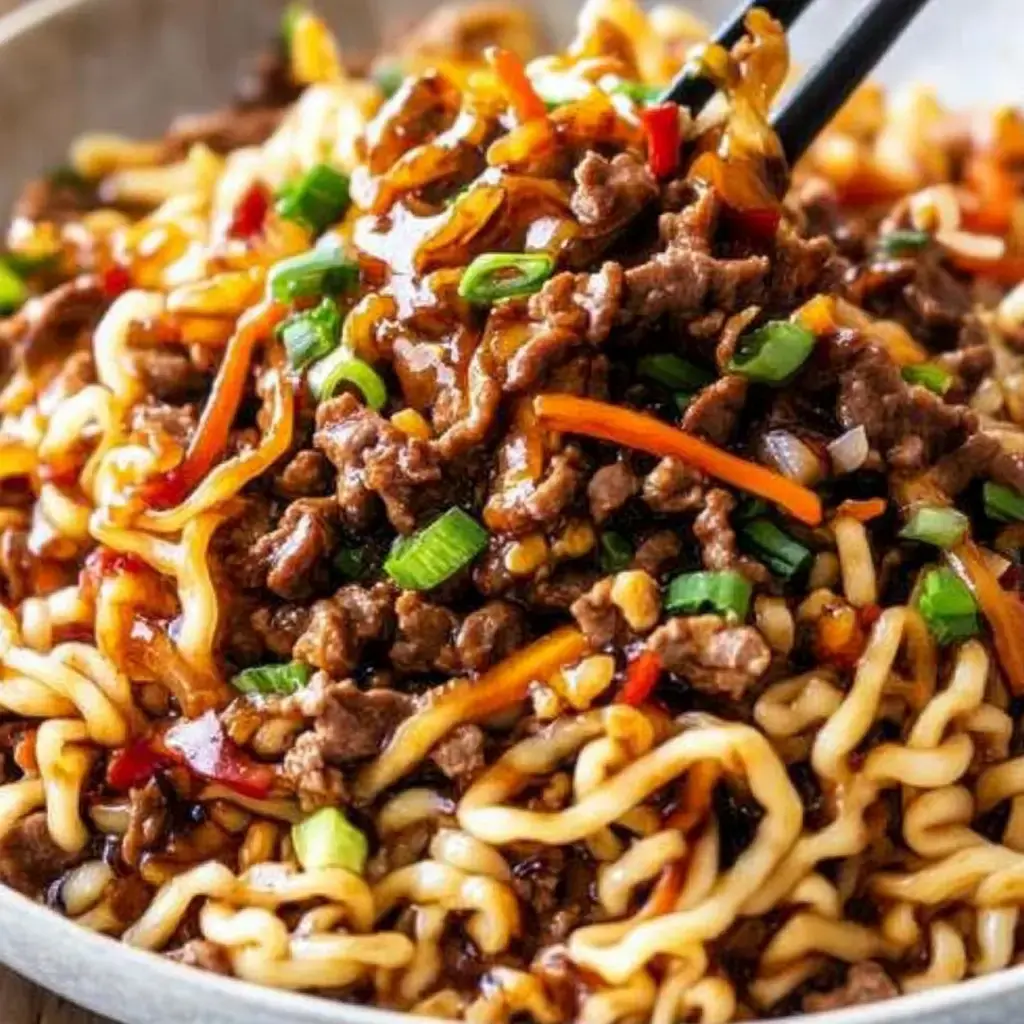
[996,191]
[698,789]
[642,676]
[637,430]
[1005,270]
[863,511]
[211,436]
[517,85]
[1003,610]
[665,893]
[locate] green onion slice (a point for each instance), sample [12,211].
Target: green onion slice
[674,372]
[327,839]
[317,199]
[388,78]
[774,352]
[616,552]
[902,242]
[930,376]
[341,367]
[312,274]
[640,93]
[936,525]
[312,334]
[727,593]
[428,558]
[505,275]
[1003,504]
[13,290]
[272,679]
[291,15]
[785,556]
[948,606]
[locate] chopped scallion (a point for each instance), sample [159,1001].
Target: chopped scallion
[673,372]
[311,334]
[317,199]
[341,367]
[1003,504]
[785,556]
[930,376]
[504,275]
[272,679]
[13,290]
[616,552]
[774,352]
[437,552]
[727,593]
[931,524]
[903,241]
[291,15]
[948,606]
[389,79]
[312,274]
[327,839]
[639,92]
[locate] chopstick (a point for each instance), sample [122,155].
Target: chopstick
[822,92]
[691,90]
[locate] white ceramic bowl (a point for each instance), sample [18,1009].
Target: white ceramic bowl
[68,66]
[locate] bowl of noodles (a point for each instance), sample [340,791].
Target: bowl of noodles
[481,543]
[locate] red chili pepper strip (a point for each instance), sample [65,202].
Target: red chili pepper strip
[135,765]
[115,281]
[661,124]
[642,675]
[517,85]
[202,746]
[211,436]
[250,213]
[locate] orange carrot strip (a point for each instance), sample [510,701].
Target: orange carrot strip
[1005,270]
[698,791]
[665,893]
[637,430]
[863,511]
[517,85]
[1003,609]
[996,190]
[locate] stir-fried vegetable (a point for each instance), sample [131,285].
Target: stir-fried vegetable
[661,126]
[272,679]
[727,592]
[616,552]
[312,334]
[903,242]
[640,93]
[504,275]
[250,213]
[948,607]
[637,430]
[203,746]
[642,675]
[516,84]
[327,839]
[774,352]
[930,376]
[1003,504]
[311,275]
[341,367]
[942,527]
[673,372]
[13,290]
[317,199]
[785,556]
[428,558]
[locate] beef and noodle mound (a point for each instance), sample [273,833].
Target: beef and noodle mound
[478,541]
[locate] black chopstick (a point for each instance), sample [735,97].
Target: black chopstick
[693,91]
[822,92]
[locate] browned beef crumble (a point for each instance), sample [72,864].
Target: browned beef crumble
[866,982]
[29,859]
[610,488]
[297,551]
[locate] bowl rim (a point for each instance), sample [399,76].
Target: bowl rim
[90,946]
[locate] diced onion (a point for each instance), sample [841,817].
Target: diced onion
[792,458]
[850,451]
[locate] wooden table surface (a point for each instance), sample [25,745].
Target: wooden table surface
[24,1003]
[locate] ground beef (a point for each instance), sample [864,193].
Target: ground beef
[280,628]
[610,193]
[559,591]
[147,822]
[717,538]
[177,422]
[29,859]
[716,410]
[529,504]
[222,130]
[598,616]
[169,375]
[981,456]
[802,267]
[374,458]
[341,626]
[657,553]
[207,956]
[866,982]
[424,638]
[971,365]
[489,635]
[460,755]
[316,783]
[307,474]
[710,655]
[673,486]
[610,488]
[297,552]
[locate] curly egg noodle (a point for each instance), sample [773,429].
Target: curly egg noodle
[801,789]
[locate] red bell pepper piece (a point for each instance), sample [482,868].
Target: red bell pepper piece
[115,281]
[135,764]
[250,213]
[661,125]
[642,675]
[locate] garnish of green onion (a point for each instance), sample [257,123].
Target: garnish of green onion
[773,353]
[673,372]
[272,679]
[437,552]
[948,606]
[312,274]
[616,552]
[727,593]
[936,525]
[504,275]
[783,555]
[291,15]
[682,400]
[388,78]
[351,562]
[1003,504]
[930,376]
[311,334]
[13,290]
[903,241]
[317,199]
[327,839]
[639,92]
[341,367]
